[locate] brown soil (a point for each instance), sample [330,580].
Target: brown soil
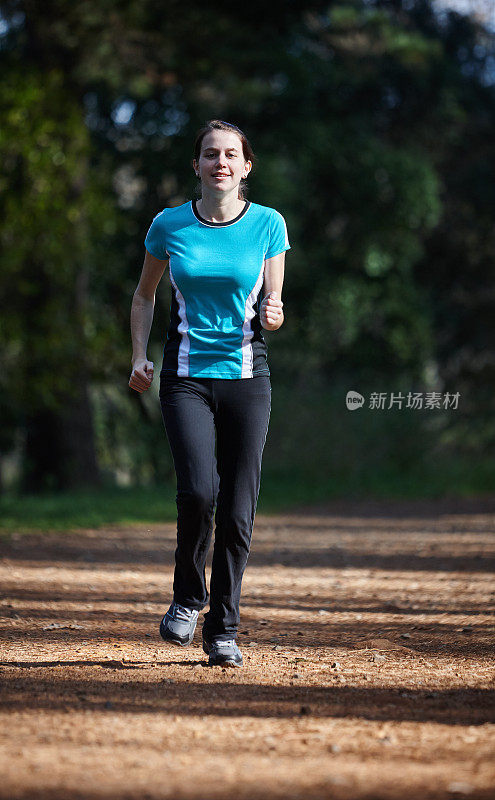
[367,635]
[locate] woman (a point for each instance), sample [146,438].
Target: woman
[226,265]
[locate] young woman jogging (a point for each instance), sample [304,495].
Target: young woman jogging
[226,265]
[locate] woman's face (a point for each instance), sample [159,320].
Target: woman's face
[221,163]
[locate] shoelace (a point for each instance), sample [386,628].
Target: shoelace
[179,612]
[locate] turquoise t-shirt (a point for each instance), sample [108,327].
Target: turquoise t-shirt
[216,272]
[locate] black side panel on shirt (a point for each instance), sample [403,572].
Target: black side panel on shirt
[260,358]
[171,349]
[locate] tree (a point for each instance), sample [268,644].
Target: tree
[371,122]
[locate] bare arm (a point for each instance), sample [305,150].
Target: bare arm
[271,314]
[143,304]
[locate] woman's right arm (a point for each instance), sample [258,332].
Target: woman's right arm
[143,303]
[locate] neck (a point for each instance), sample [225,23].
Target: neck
[220,209]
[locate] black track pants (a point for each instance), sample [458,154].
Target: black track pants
[239,411]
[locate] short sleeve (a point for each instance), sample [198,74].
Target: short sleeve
[156,238]
[279,239]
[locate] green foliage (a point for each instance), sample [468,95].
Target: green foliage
[281,491]
[131,444]
[372,126]
[66,511]
[56,216]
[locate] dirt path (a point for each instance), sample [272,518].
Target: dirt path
[367,634]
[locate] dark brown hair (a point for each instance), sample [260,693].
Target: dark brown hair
[220,125]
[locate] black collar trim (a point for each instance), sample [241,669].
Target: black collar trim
[218,224]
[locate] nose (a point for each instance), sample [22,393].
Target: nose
[221,160]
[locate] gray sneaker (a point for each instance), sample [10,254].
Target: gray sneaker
[178,624]
[222,654]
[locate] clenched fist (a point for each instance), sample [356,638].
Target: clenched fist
[271,313]
[141,375]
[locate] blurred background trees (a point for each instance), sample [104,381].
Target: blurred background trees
[372,121]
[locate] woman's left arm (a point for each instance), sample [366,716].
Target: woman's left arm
[271,313]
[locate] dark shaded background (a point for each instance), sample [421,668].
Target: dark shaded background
[373,125]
